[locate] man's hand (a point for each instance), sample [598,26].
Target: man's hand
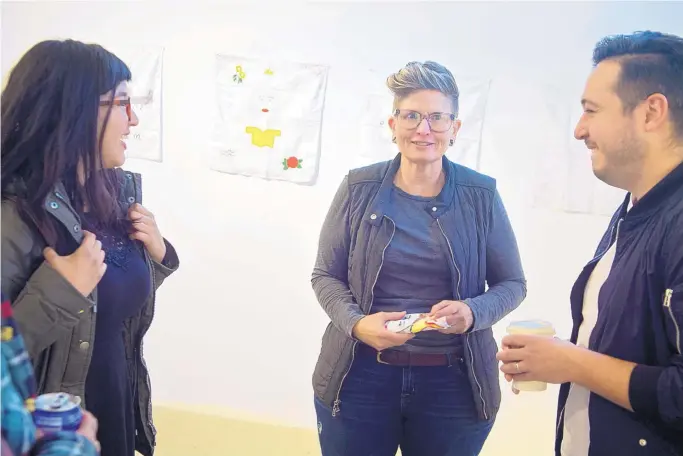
[553,360]
[538,358]
[371,330]
[458,315]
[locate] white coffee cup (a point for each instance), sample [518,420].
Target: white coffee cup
[538,328]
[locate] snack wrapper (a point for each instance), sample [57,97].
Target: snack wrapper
[415,323]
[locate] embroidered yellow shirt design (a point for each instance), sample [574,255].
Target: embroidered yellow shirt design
[261,138]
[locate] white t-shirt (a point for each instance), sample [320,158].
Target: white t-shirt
[576,433]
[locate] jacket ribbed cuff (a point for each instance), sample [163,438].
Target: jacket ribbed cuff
[642,389]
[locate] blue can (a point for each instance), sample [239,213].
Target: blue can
[56,412]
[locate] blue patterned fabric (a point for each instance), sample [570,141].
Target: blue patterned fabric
[18,398]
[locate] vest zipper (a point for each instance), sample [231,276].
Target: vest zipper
[335,407]
[668,294]
[467,338]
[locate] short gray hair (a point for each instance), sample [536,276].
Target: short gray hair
[427,75]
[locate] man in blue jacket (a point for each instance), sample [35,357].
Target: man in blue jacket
[622,371]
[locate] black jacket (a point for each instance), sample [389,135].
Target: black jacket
[640,319]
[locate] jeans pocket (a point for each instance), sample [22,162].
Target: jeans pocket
[319,404]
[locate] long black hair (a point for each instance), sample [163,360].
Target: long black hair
[49,124]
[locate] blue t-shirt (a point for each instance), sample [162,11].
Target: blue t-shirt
[415,274]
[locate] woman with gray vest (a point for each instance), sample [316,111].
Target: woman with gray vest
[418,234]
[81,257]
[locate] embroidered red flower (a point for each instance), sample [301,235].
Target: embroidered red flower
[292,162]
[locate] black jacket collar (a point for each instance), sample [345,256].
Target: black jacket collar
[658,196]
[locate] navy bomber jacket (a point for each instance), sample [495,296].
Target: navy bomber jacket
[640,320]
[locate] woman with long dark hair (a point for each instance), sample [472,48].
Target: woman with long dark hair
[81,257]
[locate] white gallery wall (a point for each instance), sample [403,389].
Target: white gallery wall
[238,326]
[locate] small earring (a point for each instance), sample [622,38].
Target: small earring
[451,142]
[393,140]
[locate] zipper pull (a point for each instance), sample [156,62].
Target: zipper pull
[335,408]
[667,297]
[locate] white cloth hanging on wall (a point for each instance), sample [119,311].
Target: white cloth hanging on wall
[268,118]
[564,174]
[146,65]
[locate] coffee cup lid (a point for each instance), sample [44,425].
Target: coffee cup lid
[531,327]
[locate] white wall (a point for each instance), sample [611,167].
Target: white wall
[239,320]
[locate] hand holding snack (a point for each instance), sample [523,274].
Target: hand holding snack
[372,331]
[415,323]
[458,316]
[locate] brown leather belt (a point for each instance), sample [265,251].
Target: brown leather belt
[406,359]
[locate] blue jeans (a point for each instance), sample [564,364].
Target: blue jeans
[427,411]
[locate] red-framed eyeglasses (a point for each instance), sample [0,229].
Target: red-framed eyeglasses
[119,102]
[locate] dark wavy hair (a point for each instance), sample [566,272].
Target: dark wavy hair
[49,124]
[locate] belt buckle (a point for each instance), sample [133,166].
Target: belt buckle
[379,358]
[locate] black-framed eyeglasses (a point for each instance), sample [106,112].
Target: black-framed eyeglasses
[120,102]
[439,122]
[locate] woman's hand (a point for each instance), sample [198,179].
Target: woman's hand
[146,231]
[458,316]
[372,331]
[84,268]
[88,429]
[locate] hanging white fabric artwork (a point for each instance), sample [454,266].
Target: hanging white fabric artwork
[146,65]
[268,118]
[564,179]
[375,135]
